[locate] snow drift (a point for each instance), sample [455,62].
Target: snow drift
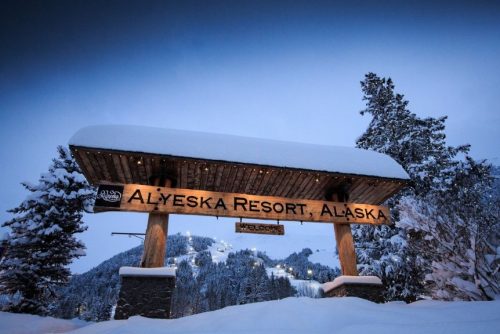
[305,315]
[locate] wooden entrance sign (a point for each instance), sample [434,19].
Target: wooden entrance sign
[155,199]
[272,229]
[289,182]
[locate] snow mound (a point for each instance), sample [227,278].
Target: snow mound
[191,144]
[13,323]
[326,315]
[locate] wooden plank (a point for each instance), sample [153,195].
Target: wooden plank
[142,198]
[354,193]
[190,176]
[265,181]
[272,229]
[126,168]
[287,184]
[311,185]
[361,190]
[247,171]
[119,169]
[257,181]
[278,189]
[276,177]
[218,177]
[250,184]
[184,175]
[196,176]
[88,166]
[237,180]
[374,195]
[102,165]
[230,178]
[141,170]
[110,166]
[393,188]
[225,176]
[148,168]
[132,164]
[372,189]
[211,177]
[204,170]
[296,191]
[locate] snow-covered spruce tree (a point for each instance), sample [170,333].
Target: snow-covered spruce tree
[42,239]
[457,231]
[255,287]
[185,290]
[419,146]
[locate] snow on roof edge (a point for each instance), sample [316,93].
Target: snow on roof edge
[219,147]
[344,279]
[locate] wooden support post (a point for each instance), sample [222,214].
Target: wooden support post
[155,243]
[345,244]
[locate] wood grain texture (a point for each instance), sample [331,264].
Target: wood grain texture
[190,173]
[270,229]
[155,242]
[156,199]
[345,246]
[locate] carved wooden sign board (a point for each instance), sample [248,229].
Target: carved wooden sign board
[142,198]
[273,229]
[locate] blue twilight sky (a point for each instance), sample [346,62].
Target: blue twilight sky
[275,69]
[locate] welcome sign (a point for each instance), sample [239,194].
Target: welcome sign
[259,228]
[141,198]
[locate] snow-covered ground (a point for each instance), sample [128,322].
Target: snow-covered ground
[294,315]
[13,323]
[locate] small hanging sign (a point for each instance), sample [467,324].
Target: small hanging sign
[260,228]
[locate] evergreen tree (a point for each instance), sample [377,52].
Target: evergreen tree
[42,239]
[453,230]
[255,287]
[419,146]
[443,222]
[182,299]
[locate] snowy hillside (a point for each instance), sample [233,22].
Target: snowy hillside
[280,247]
[207,268]
[296,315]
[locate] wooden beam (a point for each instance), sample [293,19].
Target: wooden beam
[345,244]
[141,198]
[155,243]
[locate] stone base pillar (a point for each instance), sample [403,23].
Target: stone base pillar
[146,292]
[366,287]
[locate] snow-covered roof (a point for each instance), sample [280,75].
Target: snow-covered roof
[210,146]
